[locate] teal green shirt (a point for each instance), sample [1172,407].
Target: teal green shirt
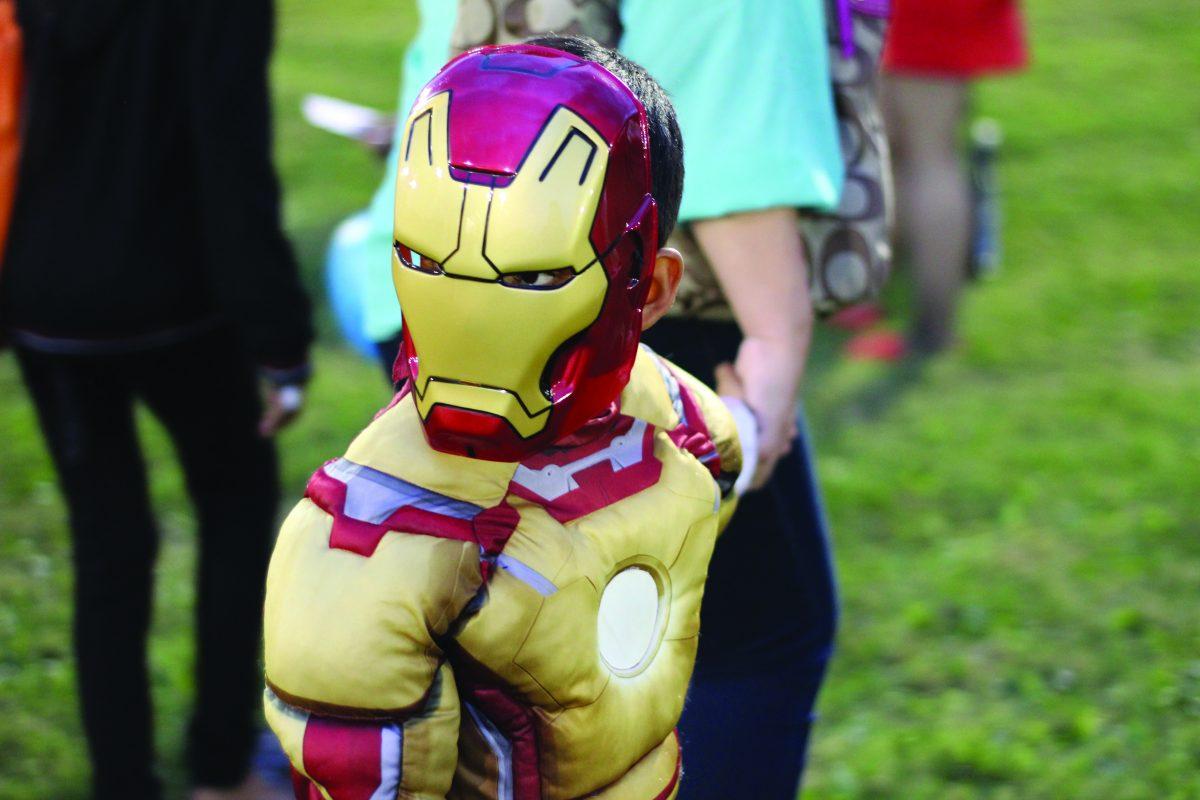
[750,82]
[751,86]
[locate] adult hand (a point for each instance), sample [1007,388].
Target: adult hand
[283,405]
[765,377]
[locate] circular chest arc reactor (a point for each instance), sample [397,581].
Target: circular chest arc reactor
[634,608]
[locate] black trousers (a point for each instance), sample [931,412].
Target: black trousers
[206,396]
[768,618]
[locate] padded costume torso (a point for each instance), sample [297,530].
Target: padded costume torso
[438,626]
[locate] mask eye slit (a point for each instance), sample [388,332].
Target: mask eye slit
[539,279]
[414,260]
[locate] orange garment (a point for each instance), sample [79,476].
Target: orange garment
[10,102]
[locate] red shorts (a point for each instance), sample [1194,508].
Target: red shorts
[954,38]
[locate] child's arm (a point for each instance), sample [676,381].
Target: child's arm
[347,758]
[359,691]
[720,432]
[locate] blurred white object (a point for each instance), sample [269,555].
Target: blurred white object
[747,430]
[291,398]
[363,124]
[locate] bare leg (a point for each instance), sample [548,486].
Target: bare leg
[923,119]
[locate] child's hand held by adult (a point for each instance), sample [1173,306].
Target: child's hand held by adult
[761,378]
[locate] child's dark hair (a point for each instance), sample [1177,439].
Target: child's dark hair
[666,143]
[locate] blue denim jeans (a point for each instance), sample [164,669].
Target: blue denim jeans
[768,619]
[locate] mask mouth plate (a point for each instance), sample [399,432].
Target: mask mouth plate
[493,401]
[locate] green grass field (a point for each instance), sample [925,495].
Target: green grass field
[1016,523]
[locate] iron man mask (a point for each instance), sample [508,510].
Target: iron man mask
[525,234]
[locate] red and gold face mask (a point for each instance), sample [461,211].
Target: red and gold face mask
[525,234]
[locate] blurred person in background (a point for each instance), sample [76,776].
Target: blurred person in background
[145,263]
[780,216]
[934,52]
[753,87]
[10,108]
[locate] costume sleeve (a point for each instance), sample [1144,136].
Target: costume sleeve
[695,419]
[342,758]
[717,419]
[251,270]
[729,425]
[359,690]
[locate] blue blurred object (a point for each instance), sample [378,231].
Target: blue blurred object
[346,264]
[984,260]
[270,763]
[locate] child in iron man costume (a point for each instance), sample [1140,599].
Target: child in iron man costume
[495,593]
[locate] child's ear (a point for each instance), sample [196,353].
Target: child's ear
[664,283]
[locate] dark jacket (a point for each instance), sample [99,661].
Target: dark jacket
[146,200]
